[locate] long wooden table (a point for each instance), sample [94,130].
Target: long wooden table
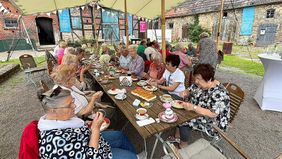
[127,108]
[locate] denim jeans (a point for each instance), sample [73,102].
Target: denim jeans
[185,132]
[121,146]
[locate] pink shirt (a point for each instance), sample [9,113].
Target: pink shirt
[60,55]
[184,60]
[156,71]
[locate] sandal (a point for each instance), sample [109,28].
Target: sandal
[173,139]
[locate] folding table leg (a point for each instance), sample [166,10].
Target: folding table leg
[158,137]
[145,148]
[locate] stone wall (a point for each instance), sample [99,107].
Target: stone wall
[231,24]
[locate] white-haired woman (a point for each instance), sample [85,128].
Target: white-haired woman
[63,135]
[156,69]
[65,77]
[185,62]
[136,65]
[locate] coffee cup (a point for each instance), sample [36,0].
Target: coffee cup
[141,111]
[120,95]
[102,111]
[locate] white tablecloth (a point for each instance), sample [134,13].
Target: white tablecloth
[269,93]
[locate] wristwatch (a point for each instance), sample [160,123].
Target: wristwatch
[194,107]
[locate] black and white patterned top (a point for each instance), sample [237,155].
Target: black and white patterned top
[215,99]
[71,143]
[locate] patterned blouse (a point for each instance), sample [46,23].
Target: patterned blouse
[215,99]
[71,143]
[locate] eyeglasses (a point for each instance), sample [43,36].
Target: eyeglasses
[53,92]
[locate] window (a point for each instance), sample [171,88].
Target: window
[224,14]
[170,25]
[270,13]
[76,23]
[10,23]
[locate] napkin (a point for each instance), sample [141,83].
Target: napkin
[145,122]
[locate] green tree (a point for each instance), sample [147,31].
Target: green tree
[194,30]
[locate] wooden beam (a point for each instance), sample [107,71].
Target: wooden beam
[219,23]
[61,34]
[81,19]
[126,23]
[92,18]
[163,30]
[96,36]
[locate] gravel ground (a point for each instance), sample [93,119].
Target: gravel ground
[258,132]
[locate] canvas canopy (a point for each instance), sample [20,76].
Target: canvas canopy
[27,7]
[144,8]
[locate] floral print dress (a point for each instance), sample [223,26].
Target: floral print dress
[215,99]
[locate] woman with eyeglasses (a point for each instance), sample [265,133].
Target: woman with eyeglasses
[173,78]
[208,98]
[63,135]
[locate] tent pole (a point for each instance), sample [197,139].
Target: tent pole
[126,23]
[163,30]
[95,35]
[219,23]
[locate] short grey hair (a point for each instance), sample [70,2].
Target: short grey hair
[133,47]
[53,98]
[156,56]
[179,46]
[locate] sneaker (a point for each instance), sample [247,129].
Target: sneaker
[142,155]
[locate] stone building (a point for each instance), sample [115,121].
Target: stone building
[42,29]
[244,21]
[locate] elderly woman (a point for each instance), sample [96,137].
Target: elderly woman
[63,135]
[185,62]
[136,65]
[156,69]
[206,50]
[105,56]
[173,77]
[65,77]
[207,97]
[125,58]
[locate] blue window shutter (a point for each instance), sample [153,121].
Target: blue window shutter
[247,21]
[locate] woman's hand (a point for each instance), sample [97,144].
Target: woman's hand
[85,68]
[187,106]
[154,84]
[98,121]
[97,95]
[184,93]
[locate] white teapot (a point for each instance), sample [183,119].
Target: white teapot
[169,114]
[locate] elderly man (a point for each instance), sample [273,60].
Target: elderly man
[191,51]
[185,62]
[125,58]
[136,65]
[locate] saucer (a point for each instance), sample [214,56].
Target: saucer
[119,97]
[164,119]
[139,117]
